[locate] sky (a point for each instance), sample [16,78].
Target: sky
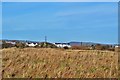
[59,0]
[0,20]
[60,21]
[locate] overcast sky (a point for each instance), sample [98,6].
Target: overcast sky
[61,22]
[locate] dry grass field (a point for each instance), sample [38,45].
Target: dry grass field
[58,63]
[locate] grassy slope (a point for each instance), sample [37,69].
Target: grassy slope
[33,62]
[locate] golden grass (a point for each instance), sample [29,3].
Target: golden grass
[58,63]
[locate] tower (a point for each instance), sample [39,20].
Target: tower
[45,43]
[45,39]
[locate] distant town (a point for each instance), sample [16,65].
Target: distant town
[45,44]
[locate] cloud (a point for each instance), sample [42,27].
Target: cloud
[98,9]
[64,18]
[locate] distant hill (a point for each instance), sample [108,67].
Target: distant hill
[83,43]
[87,43]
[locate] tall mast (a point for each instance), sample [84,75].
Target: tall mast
[45,39]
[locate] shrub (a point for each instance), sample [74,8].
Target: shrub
[111,49]
[37,46]
[99,47]
[47,45]
[20,45]
[66,47]
[7,45]
[117,49]
[80,47]
[103,47]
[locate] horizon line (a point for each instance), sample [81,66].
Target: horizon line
[59,42]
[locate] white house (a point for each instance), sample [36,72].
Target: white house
[31,44]
[117,46]
[62,45]
[11,42]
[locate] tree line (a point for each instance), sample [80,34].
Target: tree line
[50,45]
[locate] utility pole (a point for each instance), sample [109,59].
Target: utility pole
[81,43]
[46,41]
